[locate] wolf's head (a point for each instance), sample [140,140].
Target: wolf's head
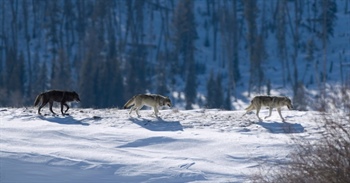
[166,101]
[288,103]
[76,96]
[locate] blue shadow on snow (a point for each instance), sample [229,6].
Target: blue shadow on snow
[158,125]
[282,127]
[149,141]
[65,120]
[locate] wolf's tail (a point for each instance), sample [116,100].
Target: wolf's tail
[250,107]
[37,99]
[130,102]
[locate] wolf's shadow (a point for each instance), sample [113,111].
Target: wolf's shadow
[282,127]
[158,124]
[65,120]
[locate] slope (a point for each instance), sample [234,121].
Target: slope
[109,146]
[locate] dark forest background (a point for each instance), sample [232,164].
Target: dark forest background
[110,50]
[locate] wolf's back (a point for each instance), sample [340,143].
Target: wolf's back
[37,99]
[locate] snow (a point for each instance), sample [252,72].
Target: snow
[108,145]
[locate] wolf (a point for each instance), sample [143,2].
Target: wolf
[271,102]
[56,96]
[151,100]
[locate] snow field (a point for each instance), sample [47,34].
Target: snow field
[108,145]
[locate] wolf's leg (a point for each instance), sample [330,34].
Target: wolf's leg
[257,113]
[51,103]
[156,111]
[44,101]
[62,108]
[41,106]
[279,112]
[66,106]
[137,112]
[270,111]
[131,109]
[39,109]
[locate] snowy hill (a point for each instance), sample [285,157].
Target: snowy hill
[117,49]
[109,146]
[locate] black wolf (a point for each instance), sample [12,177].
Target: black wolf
[56,96]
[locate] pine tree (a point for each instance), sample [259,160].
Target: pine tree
[229,29]
[87,83]
[250,13]
[15,78]
[215,95]
[137,53]
[281,37]
[227,102]
[185,34]
[219,92]
[210,91]
[61,73]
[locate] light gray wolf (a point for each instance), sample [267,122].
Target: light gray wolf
[151,100]
[271,102]
[56,96]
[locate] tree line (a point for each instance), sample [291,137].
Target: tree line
[109,50]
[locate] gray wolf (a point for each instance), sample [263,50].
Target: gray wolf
[56,96]
[151,100]
[271,102]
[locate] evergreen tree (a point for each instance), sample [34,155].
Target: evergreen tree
[190,88]
[215,96]
[185,34]
[88,83]
[117,89]
[327,18]
[161,75]
[137,53]
[61,73]
[51,26]
[250,13]
[42,80]
[219,92]
[230,32]
[15,78]
[281,37]
[88,71]
[227,102]
[211,91]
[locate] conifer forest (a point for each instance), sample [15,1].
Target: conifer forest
[200,53]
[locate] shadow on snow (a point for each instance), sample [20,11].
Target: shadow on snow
[149,141]
[158,124]
[66,120]
[280,127]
